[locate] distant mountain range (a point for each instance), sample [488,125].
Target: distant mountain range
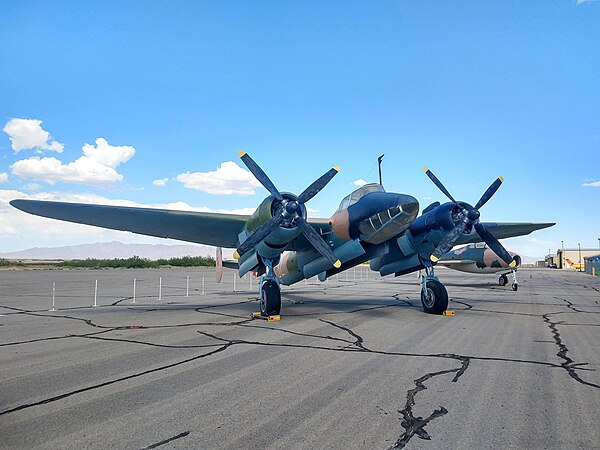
[109,250]
[114,249]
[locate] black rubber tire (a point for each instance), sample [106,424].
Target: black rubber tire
[270,302]
[502,281]
[515,286]
[438,301]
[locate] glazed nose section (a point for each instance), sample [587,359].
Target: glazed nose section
[380,216]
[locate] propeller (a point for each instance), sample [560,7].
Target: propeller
[470,217]
[289,211]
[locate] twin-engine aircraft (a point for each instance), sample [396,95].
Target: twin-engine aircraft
[284,247]
[478,258]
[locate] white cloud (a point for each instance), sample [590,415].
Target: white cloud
[592,184]
[28,133]
[96,166]
[160,182]
[360,182]
[228,179]
[3,177]
[32,186]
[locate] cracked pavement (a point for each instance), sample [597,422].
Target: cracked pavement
[354,362]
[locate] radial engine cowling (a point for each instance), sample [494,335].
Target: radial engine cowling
[272,245]
[442,218]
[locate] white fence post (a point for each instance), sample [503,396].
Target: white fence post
[160,288]
[53,294]
[96,294]
[187,286]
[133,301]
[202,284]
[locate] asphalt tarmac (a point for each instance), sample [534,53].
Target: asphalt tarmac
[354,362]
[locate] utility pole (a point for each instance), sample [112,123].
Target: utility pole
[562,254]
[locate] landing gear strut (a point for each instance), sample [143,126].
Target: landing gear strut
[514,285]
[503,280]
[269,291]
[434,296]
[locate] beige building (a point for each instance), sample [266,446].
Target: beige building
[572,258]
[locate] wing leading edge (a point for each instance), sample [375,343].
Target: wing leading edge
[220,230]
[505,230]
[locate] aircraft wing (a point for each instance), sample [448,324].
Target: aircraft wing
[220,230]
[502,230]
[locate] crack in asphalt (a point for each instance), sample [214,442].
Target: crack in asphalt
[416,425]
[569,365]
[107,383]
[166,441]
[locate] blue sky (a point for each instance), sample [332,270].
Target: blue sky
[472,90]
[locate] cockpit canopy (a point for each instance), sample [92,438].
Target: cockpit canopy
[355,196]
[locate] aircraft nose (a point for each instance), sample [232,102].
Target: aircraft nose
[379,216]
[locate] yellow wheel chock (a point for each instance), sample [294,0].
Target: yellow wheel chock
[258,315]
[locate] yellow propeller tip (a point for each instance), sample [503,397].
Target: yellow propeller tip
[425,169]
[241,153]
[236,255]
[337,264]
[336,168]
[501,178]
[434,259]
[513,264]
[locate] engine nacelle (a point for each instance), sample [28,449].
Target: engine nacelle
[441,218]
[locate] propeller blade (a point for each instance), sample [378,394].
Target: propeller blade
[495,245]
[438,183]
[448,241]
[260,234]
[317,242]
[259,174]
[490,192]
[319,184]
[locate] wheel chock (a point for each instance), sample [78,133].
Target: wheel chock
[258,315]
[448,313]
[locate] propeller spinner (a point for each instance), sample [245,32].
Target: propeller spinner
[289,211]
[470,216]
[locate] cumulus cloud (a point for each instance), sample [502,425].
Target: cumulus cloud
[96,167]
[228,179]
[592,184]
[3,177]
[160,182]
[360,182]
[28,133]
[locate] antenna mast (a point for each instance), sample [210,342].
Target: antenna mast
[379,162]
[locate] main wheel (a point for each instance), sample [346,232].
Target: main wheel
[270,301]
[515,286]
[502,281]
[436,302]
